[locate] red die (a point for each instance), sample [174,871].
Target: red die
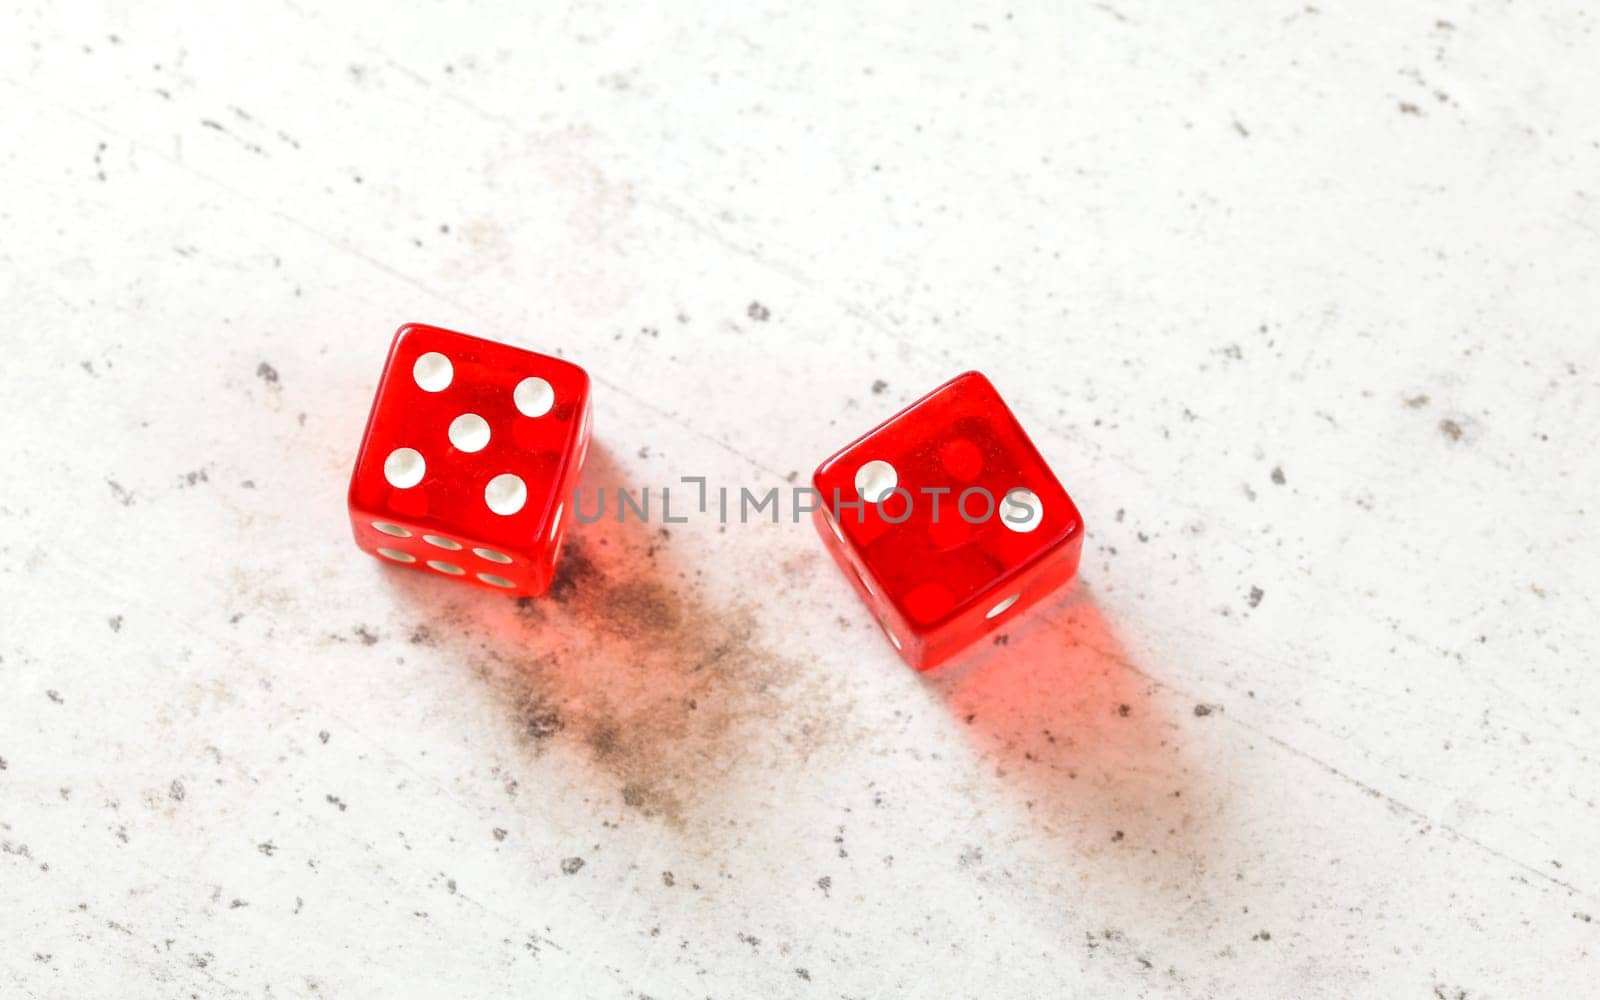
[947,520]
[469,456]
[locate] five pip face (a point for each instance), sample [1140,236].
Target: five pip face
[944,517]
[469,456]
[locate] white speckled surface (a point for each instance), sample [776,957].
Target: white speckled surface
[1301,303]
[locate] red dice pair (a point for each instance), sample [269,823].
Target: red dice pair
[945,517]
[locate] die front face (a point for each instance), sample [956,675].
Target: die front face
[976,530]
[469,459]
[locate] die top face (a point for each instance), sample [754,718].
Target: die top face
[936,565]
[470,440]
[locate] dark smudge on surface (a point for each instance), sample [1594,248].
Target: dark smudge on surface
[667,694]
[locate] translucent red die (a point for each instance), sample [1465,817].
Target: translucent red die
[947,520]
[470,455]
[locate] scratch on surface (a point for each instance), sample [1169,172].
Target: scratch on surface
[1395,803]
[1417,814]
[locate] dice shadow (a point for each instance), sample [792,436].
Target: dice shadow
[1092,748]
[622,665]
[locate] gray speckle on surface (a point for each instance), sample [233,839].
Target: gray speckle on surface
[757,228]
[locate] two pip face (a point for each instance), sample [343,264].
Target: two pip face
[944,517]
[947,520]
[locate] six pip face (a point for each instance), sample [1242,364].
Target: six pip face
[469,455]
